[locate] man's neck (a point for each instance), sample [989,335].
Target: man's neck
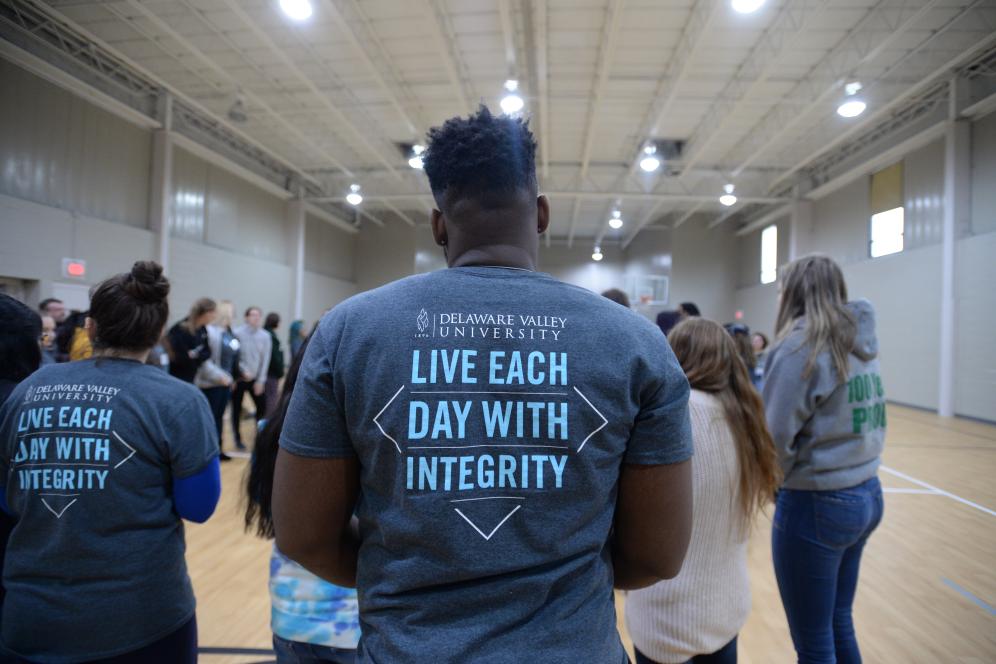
[496,256]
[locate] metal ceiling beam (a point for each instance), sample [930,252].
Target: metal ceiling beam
[536,17]
[878,30]
[209,62]
[442,38]
[685,217]
[579,196]
[413,127]
[723,217]
[358,136]
[574,221]
[764,220]
[396,210]
[894,101]
[508,35]
[794,18]
[640,225]
[606,45]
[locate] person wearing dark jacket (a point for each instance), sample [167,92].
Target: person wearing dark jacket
[276,370]
[188,341]
[20,356]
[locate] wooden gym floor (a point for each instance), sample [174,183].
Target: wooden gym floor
[928,581]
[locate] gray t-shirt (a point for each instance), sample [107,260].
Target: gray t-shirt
[491,410]
[88,453]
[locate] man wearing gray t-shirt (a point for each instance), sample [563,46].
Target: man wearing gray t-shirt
[254,362]
[512,446]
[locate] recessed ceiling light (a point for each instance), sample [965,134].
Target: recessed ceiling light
[511,103]
[746,6]
[597,254]
[354,197]
[616,220]
[299,10]
[851,108]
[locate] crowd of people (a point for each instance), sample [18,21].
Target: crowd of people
[458,467]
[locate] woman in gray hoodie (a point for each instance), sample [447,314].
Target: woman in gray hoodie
[825,407]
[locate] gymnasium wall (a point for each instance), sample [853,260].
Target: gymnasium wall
[75,183]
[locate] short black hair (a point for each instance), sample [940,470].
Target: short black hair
[690,308]
[481,155]
[43,305]
[20,354]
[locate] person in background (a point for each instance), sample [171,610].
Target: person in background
[254,363]
[617,296]
[688,310]
[71,340]
[276,369]
[522,567]
[741,338]
[188,340]
[216,376]
[159,355]
[101,574]
[825,406]
[47,341]
[296,336]
[696,616]
[666,320]
[54,308]
[312,620]
[20,356]
[759,342]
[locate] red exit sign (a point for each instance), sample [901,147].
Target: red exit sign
[74,267]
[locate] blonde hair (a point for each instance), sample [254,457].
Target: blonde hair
[710,359]
[225,314]
[813,288]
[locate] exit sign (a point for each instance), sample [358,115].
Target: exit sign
[74,267]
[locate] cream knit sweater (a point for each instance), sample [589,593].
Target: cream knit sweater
[703,608]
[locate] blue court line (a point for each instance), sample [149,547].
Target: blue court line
[969,596]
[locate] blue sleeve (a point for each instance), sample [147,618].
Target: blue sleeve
[195,497]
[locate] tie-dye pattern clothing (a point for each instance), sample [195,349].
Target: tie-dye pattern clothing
[307,609]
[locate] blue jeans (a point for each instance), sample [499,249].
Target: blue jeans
[725,655]
[296,652]
[816,543]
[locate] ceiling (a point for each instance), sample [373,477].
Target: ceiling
[753,97]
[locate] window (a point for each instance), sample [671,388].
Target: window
[887,232]
[887,221]
[769,254]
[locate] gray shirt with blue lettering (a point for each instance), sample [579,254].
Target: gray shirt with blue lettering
[491,410]
[88,453]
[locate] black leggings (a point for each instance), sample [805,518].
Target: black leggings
[725,655]
[179,647]
[241,388]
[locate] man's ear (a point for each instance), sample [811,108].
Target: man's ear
[542,214]
[438,228]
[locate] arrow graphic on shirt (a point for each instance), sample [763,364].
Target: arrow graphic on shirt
[493,530]
[382,412]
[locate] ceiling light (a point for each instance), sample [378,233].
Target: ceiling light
[650,162]
[237,112]
[298,10]
[354,197]
[597,254]
[851,108]
[746,6]
[616,220]
[511,103]
[415,161]
[728,198]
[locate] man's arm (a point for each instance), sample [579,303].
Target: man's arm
[313,501]
[264,366]
[653,523]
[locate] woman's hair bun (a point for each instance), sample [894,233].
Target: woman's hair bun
[146,282]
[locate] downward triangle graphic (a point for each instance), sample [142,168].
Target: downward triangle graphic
[493,530]
[58,513]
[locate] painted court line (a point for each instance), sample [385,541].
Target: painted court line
[950,495]
[969,596]
[929,492]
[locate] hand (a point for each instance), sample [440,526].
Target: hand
[257,388]
[226,381]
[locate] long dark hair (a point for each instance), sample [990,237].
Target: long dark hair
[20,354]
[259,483]
[712,363]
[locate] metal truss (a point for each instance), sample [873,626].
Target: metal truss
[879,30]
